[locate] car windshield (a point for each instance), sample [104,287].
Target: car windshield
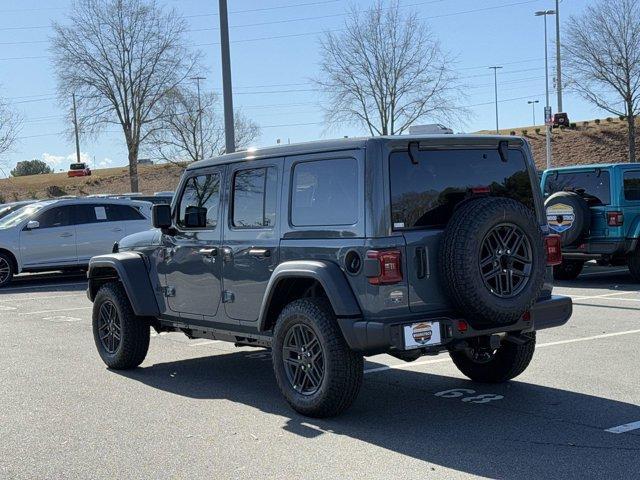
[77,166]
[19,215]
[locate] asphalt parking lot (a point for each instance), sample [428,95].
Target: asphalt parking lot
[205,409]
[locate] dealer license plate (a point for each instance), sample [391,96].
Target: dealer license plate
[421,334]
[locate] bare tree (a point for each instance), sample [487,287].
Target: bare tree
[386,70]
[602,55]
[177,137]
[10,123]
[120,57]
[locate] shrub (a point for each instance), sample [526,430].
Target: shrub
[622,117]
[573,125]
[2,199]
[15,195]
[30,167]
[538,131]
[512,133]
[597,120]
[586,124]
[524,132]
[609,119]
[32,195]
[55,191]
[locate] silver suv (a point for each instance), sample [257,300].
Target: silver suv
[65,233]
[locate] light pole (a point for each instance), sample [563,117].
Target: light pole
[533,108]
[547,108]
[495,80]
[558,57]
[197,79]
[229,134]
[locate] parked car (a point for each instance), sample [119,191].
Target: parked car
[65,234]
[79,170]
[154,199]
[596,210]
[7,208]
[329,251]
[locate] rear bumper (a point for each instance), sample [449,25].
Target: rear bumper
[597,250]
[373,337]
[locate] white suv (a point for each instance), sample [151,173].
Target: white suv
[66,233]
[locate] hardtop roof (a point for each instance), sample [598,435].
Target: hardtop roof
[319,146]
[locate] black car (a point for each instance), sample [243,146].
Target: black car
[330,251]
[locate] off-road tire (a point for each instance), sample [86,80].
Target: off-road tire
[135,331]
[459,261]
[344,368]
[509,361]
[568,270]
[634,264]
[7,262]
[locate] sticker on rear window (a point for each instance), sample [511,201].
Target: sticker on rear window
[398,225]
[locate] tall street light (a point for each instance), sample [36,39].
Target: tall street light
[533,108]
[547,108]
[558,57]
[495,80]
[229,134]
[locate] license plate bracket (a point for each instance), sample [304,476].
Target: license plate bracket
[421,334]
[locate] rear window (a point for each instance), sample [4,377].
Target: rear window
[632,185]
[592,185]
[425,194]
[78,166]
[325,193]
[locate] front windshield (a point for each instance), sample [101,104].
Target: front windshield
[19,215]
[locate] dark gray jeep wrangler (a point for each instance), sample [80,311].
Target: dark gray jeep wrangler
[330,251]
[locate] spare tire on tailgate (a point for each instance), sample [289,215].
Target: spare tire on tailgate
[493,261]
[568,215]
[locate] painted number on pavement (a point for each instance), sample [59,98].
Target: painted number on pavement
[466,393]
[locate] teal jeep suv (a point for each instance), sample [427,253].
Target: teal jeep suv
[596,210]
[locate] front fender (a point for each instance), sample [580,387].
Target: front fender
[131,269]
[328,274]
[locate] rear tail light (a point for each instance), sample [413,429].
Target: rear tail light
[383,267]
[553,249]
[615,219]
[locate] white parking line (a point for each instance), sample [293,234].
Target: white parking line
[539,345]
[627,427]
[606,295]
[54,311]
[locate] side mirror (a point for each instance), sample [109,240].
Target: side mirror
[161,216]
[195,217]
[32,225]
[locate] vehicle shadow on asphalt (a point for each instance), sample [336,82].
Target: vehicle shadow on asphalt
[533,431]
[612,278]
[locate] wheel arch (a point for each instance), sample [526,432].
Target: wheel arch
[297,279]
[130,269]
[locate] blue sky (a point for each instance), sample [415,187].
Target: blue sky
[271,75]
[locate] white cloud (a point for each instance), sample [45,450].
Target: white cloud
[105,163]
[63,161]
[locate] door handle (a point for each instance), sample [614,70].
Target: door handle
[260,252]
[66,235]
[211,252]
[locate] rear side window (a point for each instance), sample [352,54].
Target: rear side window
[632,185]
[592,185]
[98,213]
[325,192]
[201,191]
[425,194]
[254,198]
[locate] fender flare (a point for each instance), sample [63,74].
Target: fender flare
[328,274]
[131,270]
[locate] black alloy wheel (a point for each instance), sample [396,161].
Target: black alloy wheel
[506,260]
[304,359]
[109,327]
